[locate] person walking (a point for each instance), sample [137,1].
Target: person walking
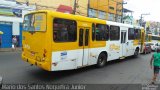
[14,43]
[155,65]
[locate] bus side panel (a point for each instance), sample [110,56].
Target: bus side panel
[130,46]
[66,55]
[64,60]
[94,53]
[111,48]
[114,50]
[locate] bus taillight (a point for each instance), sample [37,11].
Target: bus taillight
[45,52]
[44,55]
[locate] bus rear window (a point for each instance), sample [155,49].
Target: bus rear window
[35,22]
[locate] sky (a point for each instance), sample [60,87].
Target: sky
[144,6]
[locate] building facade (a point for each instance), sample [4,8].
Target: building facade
[11,18]
[104,9]
[66,6]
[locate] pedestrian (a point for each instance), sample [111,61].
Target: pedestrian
[155,65]
[14,43]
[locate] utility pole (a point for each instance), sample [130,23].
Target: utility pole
[116,15]
[123,10]
[27,2]
[88,8]
[117,9]
[141,21]
[75,6]
[122,13]
[36,6]
[108,11]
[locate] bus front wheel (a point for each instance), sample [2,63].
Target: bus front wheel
[102,59]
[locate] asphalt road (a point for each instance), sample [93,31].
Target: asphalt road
[127,71]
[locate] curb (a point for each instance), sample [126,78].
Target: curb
[9,50]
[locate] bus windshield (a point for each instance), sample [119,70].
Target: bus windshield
[35,22]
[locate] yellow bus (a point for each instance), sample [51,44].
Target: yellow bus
[148,37]
[142,38]
[155,38]
[57,41]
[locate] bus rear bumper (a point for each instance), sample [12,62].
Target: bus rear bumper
[43,65]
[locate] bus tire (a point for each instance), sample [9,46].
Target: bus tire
[102,59]
[1,80]
[136,53]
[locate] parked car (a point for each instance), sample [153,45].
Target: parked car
[147,48]
[154,46]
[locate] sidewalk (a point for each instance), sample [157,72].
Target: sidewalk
[10,49]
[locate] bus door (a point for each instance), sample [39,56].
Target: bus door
[124,43]
[83,44]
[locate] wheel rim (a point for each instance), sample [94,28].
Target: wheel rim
[101,61]
[136,53]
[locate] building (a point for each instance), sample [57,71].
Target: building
[127,16]
[128,20]
[66,6]
[104,9]
[11,18]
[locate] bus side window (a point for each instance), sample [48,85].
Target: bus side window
[81,37]
[107,32]
[131,35]
[97,31]
[55,36]
[86,37]
[64,30]
[102,33]
[93,32]
[137,33]
[114,33]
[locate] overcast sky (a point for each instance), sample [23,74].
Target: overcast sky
[145,6]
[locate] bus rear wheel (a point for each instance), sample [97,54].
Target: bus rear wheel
[136,53]
[102,59]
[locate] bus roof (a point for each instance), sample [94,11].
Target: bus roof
[138,27]
[70,16]
[81,18]
[119,24]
